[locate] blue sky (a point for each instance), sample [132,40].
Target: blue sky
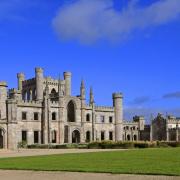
[126,46]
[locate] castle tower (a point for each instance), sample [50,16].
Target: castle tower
[67,78]
[21,78]
[39,83]
[3,98]
[118,107]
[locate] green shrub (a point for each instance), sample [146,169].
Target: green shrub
[22,144]
[174,144]
[141,145]
[94,145]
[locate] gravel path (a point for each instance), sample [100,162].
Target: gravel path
[37,152]
[32,175]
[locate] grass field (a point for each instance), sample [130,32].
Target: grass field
[165,161]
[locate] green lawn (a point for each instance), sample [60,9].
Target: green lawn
[165,161]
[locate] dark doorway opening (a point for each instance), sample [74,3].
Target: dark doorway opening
[76,136]
[1,139]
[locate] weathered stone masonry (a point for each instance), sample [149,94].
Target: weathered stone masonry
[42,111]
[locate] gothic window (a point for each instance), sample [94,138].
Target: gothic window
[24,136]
[88,136]
[24,115]
[53,93]
[66,134]
[36,116]
[111,135]
[110,119]
[36,137]
[71,112]
[88,117]
[128,137]
[102,119]
[135,137]
[102,135]
[54,116]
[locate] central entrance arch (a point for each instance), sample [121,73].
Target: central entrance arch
[1,139]
[76,136]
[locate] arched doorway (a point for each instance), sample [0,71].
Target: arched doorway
[1,139]
[76,136]
[135,137]
[128,137]
[71,112]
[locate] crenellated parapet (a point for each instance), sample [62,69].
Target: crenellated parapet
[27,103]
[104,108]
[28,82]
[14,91]
[54,103]
[50,81]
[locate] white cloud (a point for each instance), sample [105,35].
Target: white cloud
[91,20]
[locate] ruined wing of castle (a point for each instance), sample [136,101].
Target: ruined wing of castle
[43,111]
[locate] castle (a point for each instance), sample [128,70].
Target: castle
[43,111]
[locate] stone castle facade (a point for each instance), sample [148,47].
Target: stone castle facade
[43,111]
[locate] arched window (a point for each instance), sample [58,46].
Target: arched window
[128,137]
[88,117]
[54,116]
[71,112]
[53,91]
[88,136]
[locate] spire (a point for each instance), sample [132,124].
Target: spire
[82,84]
[60,91]
[91,96]
[82,89]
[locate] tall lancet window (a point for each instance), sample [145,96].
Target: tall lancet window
[71,112]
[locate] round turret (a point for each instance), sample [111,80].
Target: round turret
[67,78]
[39,83]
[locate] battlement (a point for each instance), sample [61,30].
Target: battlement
[54,103]
[173,121]
[29,103]
[50,81]
[104,108]
[14,91]
[130,122]
[117,95]
[29,82]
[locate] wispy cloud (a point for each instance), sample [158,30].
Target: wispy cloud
[175,95]
[140,100]
[129,112]
[91,20]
